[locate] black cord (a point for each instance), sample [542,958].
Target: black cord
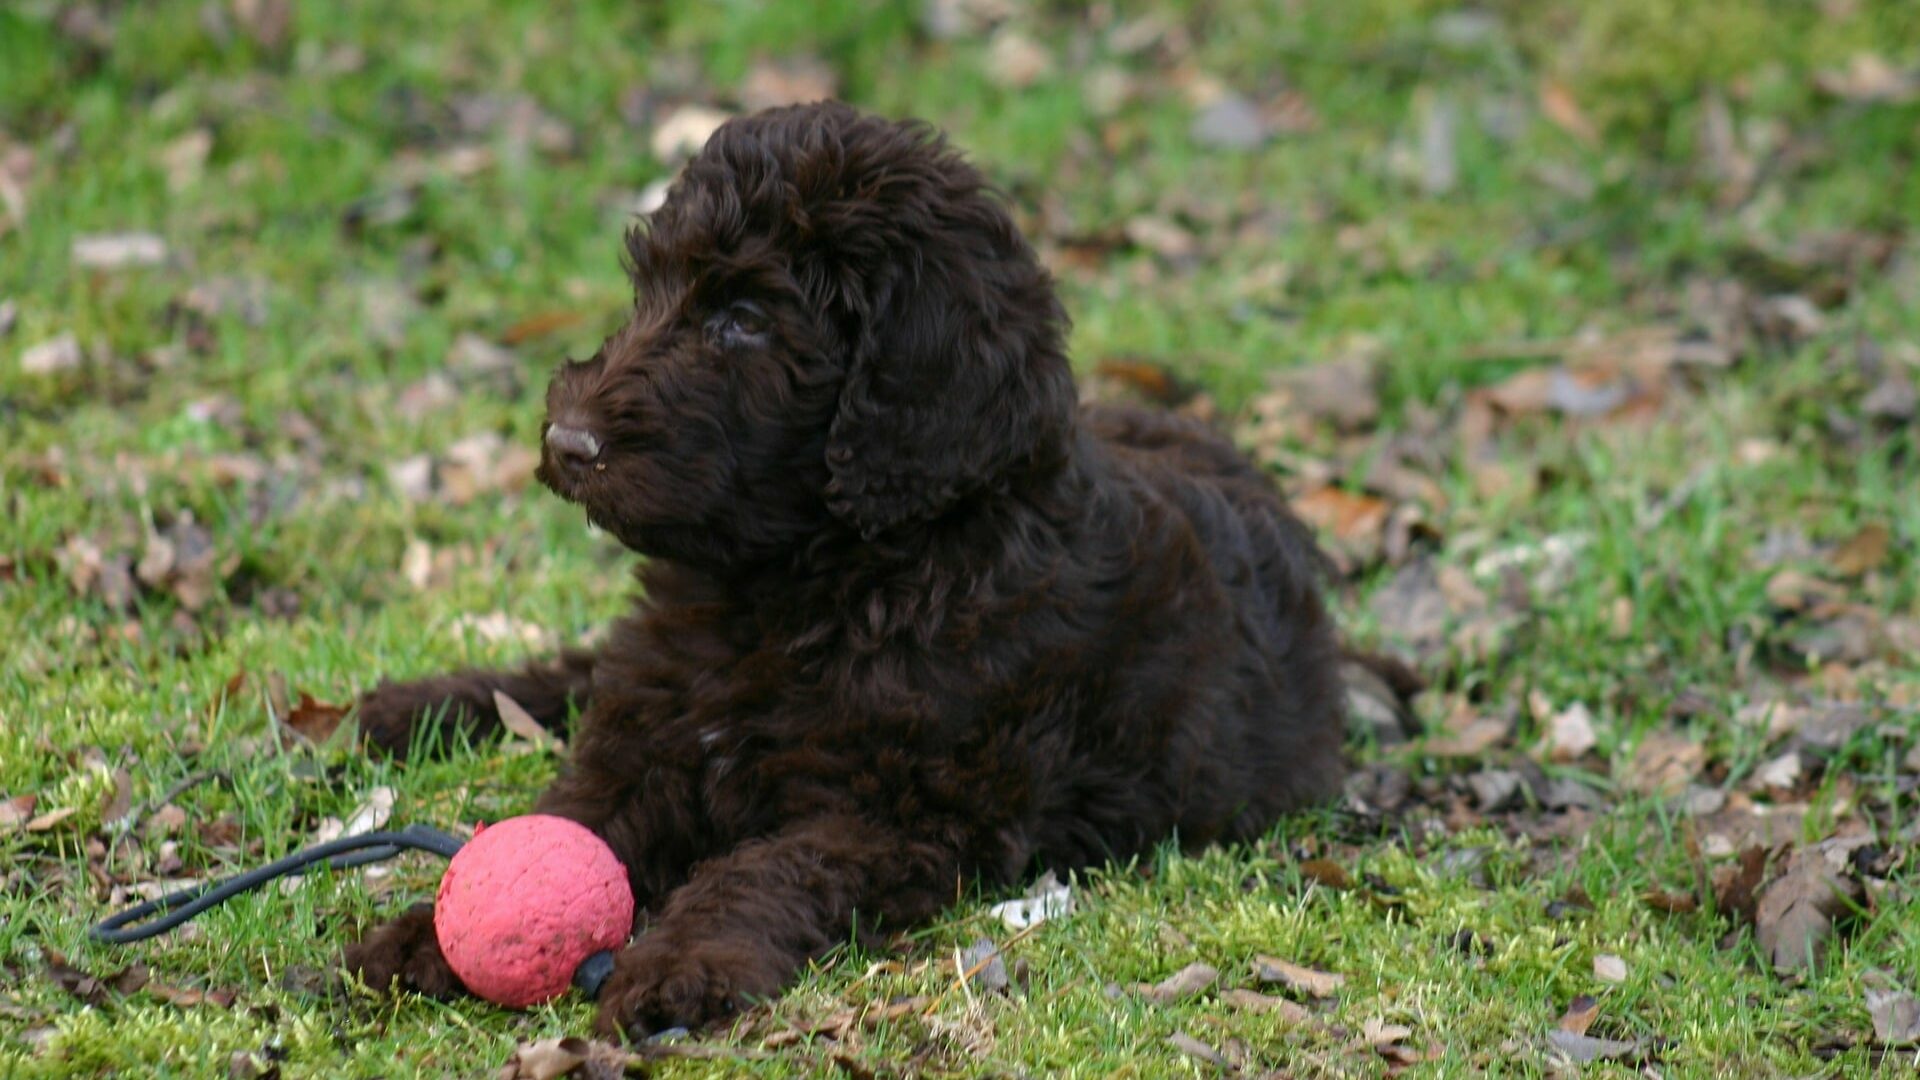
[339,854]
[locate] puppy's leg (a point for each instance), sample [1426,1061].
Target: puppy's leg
[745,922]
[404,952]
[398,717]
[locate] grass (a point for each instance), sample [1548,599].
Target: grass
[327,202]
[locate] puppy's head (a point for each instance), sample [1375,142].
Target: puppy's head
[836,325]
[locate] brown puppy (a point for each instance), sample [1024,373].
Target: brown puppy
[909,615]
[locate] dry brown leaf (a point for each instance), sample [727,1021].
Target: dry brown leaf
[1870,79]
[539,324]
[1671,901]
[52,356]
[1609,968]
[1796,590]
[314,721]
[1193,1047]
[571,1056]
[1895,1014]
[1377,1032]
[1327,873]
[1664,763]
[1866,550]
[1017,61]
[1558,105]
[789,80]
[1356,521]
[119,251]
[119,801]
[1468,734]
[1584,1049]
[1795,916]
[1150,380]
[1569,733]
[1185,983]
[1580,1015]
[516,719]
[49,820]
[17,811]
[1255,1001]
[1273,970]
[682,133]
[1736,885]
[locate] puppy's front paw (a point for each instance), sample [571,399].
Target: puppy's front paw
[660,983]
[404,953]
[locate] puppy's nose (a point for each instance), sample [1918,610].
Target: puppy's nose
[572,447]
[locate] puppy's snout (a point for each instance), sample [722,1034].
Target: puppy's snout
[573,447]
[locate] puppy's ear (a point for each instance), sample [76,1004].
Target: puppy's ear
[959,377]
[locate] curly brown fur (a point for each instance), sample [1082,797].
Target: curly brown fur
[910,617]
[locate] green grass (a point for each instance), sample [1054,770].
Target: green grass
[327,192]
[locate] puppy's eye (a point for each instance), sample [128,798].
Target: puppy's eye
[742,323]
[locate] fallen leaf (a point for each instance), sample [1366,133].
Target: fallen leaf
[1047,899]
[1585,1049]
[1255,1001]
[1016,61]
[1782,773]
[90,988]
[314,721]
[1185,983]
[1164,238]
[1343,392]
[1193,1047]
[369,816]
[1736,885]
[1794,918]
[267,22]
[119,251]
[984,966]
[1796,590]
[1609,968]
[1580,1014]
[49,820]
[517,720]
[540,325]
[1558,105]
[1895,1014]
[685,131]
[1671,901]
[119,801]
[1569,733]
[185,158]
[1326,872]
[1377,1032]
[1868,78]
[1229,122]
[482,463]
[1354,521]
[790,80]
[1320,984]
[499,628]
[1866,550]
[52,356]
[1664,763]
[1467,735]
[17,811]
[551,1058]
[186,997]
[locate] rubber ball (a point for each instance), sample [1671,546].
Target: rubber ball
[524,902]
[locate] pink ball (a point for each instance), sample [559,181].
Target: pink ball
[524,902]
